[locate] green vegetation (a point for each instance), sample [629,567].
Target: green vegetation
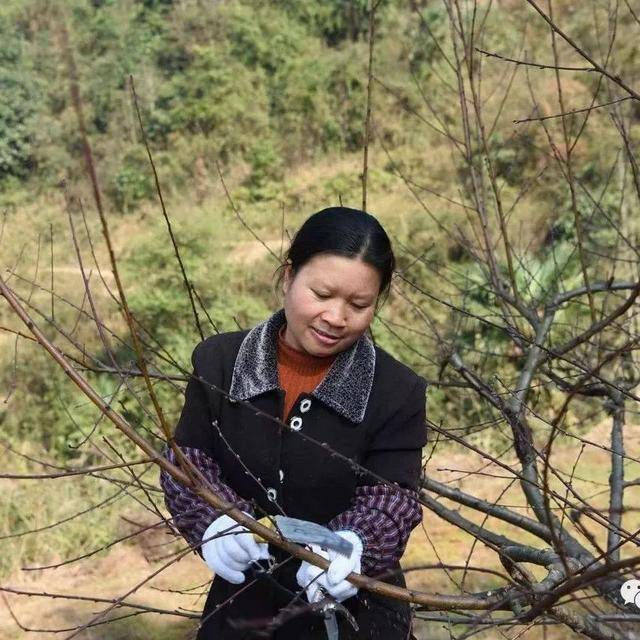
[17,125]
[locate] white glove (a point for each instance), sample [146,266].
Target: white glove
[229,548]
[333,581]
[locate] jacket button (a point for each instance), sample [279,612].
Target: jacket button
[305,405]
[272,494]
[296,423]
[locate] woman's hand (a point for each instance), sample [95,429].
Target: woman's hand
[314,579]
[229,548]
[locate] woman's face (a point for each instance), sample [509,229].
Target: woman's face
[329,303]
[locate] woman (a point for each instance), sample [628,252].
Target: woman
[313,366]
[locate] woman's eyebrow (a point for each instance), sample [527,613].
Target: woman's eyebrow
[358,295]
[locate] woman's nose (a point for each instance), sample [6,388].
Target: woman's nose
[335,314]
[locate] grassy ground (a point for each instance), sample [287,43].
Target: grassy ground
[435,541]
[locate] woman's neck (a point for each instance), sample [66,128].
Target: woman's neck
[299,359]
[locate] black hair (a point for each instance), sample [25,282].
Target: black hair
[345,232]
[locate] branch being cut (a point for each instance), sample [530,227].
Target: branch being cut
[361,581]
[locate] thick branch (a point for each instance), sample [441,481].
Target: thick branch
[502,513]
[616,477]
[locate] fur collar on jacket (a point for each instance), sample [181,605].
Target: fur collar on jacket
[345,388]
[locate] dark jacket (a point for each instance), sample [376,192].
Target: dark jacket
[370,408]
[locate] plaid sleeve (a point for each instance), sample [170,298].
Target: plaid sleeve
[383,517]
[191,514]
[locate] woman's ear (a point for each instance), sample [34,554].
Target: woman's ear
[287,278]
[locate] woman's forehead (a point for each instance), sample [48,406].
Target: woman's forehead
[342,272]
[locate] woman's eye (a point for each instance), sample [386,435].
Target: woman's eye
[322,296]
[360,307]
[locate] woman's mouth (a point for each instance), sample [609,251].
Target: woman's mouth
[324,338]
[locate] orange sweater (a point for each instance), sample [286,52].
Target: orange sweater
[299,372]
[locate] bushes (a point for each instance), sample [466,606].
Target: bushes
[335,20]
[162,304]
[17,107]
[132,181]
[218,97]
[266,166]
[319,103]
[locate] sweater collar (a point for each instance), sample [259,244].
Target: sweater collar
[345,388]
